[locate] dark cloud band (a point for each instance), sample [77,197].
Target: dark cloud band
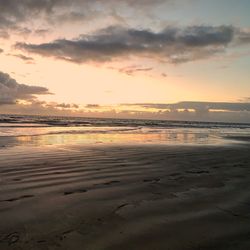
[15,12]
[172,44]
[11,90]
[202,106]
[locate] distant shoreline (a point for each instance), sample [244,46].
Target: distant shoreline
[132,119]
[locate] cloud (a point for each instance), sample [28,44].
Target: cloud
[41,32]
[23,31]
[72,16]
[92,106]
[244,36]
[133,111]
[172,44]
[229,106]
[11,90]
[195,111]
[66,106]
[23,57]
[15,12]
[131,70]
[202,106]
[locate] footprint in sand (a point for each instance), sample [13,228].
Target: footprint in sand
[75,191]
[17,198]
[12,238]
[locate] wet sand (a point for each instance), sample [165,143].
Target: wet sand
[125,197]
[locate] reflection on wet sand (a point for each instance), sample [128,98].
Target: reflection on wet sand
[121,138]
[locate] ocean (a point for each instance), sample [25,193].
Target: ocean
[51,130]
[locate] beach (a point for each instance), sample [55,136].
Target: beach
[124,125]
[121,188]
[125,197]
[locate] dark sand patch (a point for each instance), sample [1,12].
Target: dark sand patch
[17,198]
[140,197]
[75,191]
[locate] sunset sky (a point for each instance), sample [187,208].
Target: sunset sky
[161,59]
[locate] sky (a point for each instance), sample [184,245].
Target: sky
[161,59]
